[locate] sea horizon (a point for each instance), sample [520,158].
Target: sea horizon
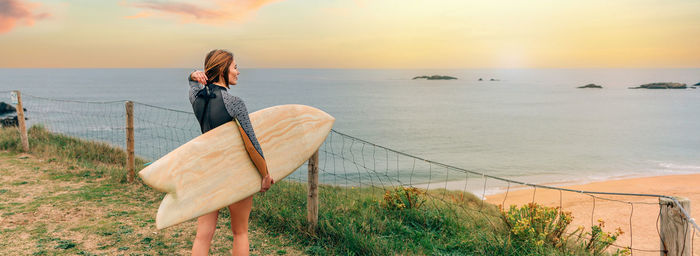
[532,125]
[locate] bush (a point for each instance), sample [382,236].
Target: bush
[403,198]
[543,226]
[597,241]
[537,224]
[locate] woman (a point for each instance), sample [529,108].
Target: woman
[214,106]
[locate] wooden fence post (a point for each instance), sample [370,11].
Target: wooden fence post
[130,141]
[22,125]
[312,199]
[674,228]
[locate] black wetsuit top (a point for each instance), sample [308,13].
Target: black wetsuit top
[214,106]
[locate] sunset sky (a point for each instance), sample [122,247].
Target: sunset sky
[352,34]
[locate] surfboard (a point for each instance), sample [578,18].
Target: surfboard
[214,170]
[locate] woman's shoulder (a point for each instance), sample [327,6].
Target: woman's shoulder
[234,104]
[230,98]
[194,89]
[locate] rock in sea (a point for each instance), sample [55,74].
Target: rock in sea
[590,86]
[8,115]
[661,86]
[435,77]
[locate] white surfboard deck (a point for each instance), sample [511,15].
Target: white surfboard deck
[214,170]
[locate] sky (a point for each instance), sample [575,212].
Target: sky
[365,34]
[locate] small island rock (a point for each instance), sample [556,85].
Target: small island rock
[435,77]
[8,115]
[590,86]
[661,86]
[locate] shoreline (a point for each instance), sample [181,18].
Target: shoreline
[475,185]
[637,219]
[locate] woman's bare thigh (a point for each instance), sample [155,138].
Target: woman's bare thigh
[240,212]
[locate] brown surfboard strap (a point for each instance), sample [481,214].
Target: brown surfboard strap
[255,156]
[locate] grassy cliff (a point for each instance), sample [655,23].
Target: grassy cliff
[69,196]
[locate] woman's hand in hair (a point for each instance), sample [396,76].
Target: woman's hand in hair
[199,76]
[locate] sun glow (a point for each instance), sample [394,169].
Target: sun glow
[353,34]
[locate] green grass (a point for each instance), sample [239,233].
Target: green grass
[360,224]
[69,196]
[84,206]
[99,158]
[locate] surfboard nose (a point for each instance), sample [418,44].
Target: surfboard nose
[316,120]
[321,123]
[325,119]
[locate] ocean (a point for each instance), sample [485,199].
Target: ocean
[531,125]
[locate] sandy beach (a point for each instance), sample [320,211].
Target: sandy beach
[618,212]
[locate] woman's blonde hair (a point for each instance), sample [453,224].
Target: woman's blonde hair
[216,66]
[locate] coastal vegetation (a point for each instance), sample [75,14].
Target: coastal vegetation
[69,196]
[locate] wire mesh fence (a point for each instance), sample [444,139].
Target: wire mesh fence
[352,162]
[360,169]
[158,130]
[100,121]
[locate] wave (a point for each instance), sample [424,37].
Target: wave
[673,166]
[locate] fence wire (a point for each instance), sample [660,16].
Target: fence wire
[352,162]
[363,169]
[158,130]
[101,121]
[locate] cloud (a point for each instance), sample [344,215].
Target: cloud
[18,11]
[139,15]
[208,12]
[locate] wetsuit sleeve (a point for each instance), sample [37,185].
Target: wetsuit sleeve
[194,88]
[237,109]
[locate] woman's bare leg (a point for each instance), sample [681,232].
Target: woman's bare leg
[206,225]
[240,212]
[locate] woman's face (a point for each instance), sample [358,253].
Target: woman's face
[233,73]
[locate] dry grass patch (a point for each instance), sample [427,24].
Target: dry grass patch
[68,197]
[71,213]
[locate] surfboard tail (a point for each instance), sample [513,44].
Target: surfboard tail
[151,176]
[168,214]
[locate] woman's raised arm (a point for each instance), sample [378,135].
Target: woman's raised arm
[198,76]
